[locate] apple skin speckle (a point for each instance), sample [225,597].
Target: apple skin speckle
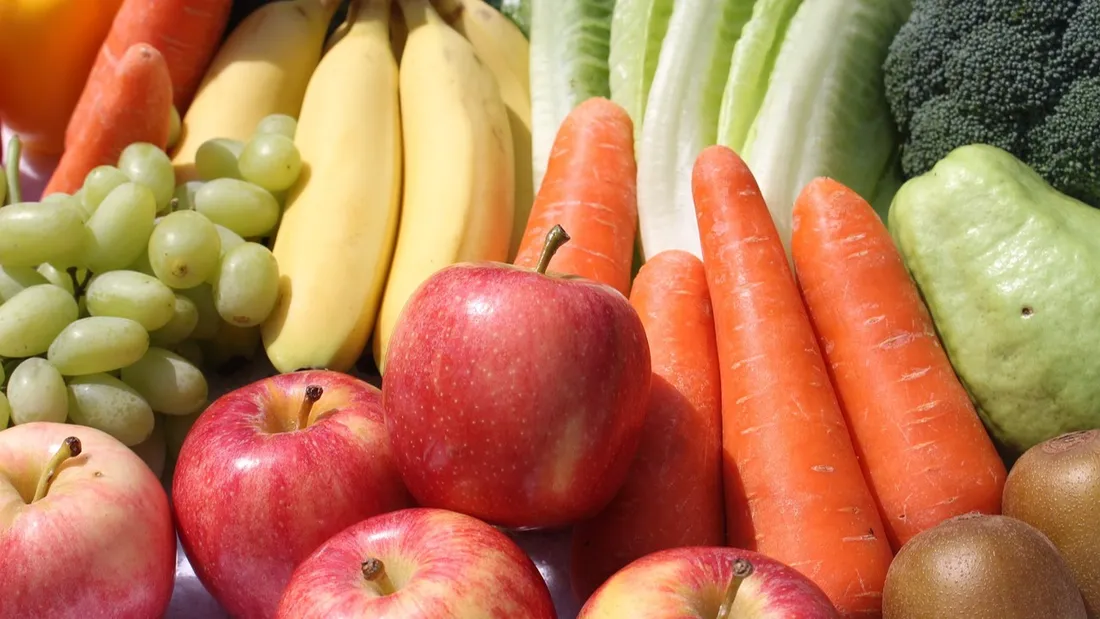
[516,397]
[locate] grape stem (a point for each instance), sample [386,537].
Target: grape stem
[742,569]
[313,393]
[79,286]
[14,154]
[70,448]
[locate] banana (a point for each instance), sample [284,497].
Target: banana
[500,44]
[459,168]
[337,234]
[261,69]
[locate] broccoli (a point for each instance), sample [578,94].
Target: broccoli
[1023,75]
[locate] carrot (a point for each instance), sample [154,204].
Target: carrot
[185,32]
[922,446]
[672,496]
[794,489]
[133,106]
[590,190]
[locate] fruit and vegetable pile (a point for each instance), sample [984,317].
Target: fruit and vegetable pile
[756,308]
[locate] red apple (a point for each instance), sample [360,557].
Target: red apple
[417,564]
[515,396]
[85,527]
[273,469]
[703,582]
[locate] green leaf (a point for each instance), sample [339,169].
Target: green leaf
[825,112]
[681,117]
[570,42]
[753,60]
[638,29]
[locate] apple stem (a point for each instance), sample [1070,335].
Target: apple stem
[70,448]
[375,571]
[554,240]
[313,393]
[742,569]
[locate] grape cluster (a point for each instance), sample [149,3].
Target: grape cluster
[113,298]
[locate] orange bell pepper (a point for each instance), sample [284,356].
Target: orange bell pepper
[47,48]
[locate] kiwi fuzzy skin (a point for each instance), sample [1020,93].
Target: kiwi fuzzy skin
[979,566]
[1055,487]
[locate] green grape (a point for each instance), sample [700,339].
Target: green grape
[130,294]
[142,264]
[217,158]
[100,182]
[32,233]
[185,317]
[3,184]
[120,227]
[15,279]
[244,208]
[190,350]
[271,161]
[105,403]
[147,165]
[31,320]
[168,382]
[184,249]
[185,195]
[5,411]
[58,277]
[279,124]
[36,392]
[174,126]
[57,196]
[97,344]
[209,320]
[247,285]
[3,374]
[230,240]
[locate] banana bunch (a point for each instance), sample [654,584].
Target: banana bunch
[410,131]
[262,68]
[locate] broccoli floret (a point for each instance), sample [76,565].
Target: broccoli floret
[1023,75]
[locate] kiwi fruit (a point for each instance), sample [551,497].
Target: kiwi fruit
[1055,487]
[980,567]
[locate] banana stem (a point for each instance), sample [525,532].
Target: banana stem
[369,11]
[14,154]
[419,13]
[449,10]
[70,448]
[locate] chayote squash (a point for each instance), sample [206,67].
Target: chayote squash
[1010,270]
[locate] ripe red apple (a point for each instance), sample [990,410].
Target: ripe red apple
[703,582]
[273,469]
[417,564]
[85,527]
[516,396]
